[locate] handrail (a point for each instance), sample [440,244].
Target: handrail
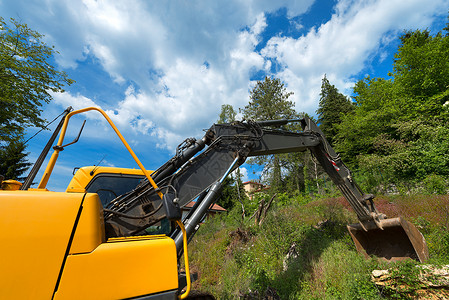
[57,149]
[186,260]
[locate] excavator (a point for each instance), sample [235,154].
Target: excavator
[118,233]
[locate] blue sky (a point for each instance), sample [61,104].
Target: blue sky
[162,69]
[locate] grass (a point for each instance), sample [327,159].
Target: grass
[237,259]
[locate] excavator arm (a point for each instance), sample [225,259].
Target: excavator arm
[199,168]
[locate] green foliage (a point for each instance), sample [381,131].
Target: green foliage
[13,160]
[269,101]
[400,124]
[339,274]
[438,243]
[227,114]
[27,78]
[435,184]
[421,69]
[358,130]
[232,192]
[331,108]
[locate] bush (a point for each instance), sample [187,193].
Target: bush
[435,184]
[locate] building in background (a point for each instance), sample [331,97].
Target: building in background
[252,187]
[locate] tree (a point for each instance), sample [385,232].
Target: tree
[332,106]
[269,101]
[227,114]
[26,79]
[13,160]
[400,124]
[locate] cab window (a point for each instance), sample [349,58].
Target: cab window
[110,186]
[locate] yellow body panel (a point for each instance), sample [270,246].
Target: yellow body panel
[35,229]
[53,244]
[10,185]
[121,269]
[90,228]
[82,176]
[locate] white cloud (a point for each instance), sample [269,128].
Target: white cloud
[76,102]
[341,47]
[180,61]
[243,173]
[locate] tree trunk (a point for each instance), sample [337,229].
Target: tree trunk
[316,177]
[266,208]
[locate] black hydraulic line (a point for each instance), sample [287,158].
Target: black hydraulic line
[192,223]
[162,172]
[37,165]
[277,122]
[176,162]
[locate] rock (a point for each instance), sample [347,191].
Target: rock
[379,273]
[292,254]
[430,282]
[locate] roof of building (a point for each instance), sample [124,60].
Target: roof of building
[253,182]
[215,207]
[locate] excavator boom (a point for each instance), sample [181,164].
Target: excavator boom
[226,146]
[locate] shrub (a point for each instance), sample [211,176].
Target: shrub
[435,184]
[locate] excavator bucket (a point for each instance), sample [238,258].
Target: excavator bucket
[397,240]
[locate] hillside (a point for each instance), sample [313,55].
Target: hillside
[303,251]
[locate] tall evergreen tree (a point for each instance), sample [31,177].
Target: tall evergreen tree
[227,114]
[269,101]
[332,106]
[13,161]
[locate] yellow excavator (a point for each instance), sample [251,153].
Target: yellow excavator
[119,233]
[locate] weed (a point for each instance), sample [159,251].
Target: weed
[435,184]
[325,264]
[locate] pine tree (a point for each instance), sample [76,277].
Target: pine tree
[227,114]
[269,101]
[332,106]
[13,160]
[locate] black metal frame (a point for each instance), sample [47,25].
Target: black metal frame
[195,175]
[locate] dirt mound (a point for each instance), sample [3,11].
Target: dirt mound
[239,238]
